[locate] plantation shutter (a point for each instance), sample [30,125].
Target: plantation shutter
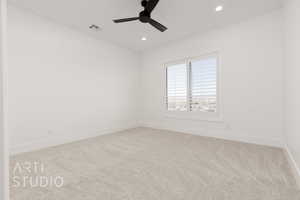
[177,87]
[203,85]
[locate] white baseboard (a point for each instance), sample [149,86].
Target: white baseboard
[292,162]
[233,137]
[59,140]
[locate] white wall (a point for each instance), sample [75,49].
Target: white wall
[2,150]
[63,85]
[3,134]
[251,81]
[292,78]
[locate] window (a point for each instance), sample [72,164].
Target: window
[192,85]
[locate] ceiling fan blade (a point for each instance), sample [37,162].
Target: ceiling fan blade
[157,25]
[126,19]
[151,5]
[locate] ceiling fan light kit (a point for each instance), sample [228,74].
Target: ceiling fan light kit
[145,15]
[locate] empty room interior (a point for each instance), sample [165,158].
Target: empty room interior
[151,100]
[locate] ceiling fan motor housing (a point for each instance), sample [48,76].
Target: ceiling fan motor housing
[145,16]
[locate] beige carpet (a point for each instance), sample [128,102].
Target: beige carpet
[148,164]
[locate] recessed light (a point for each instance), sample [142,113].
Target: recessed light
[219,8]
[144,39]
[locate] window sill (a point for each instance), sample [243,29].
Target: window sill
[194,117]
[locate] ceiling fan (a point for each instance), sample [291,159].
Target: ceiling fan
[145,15]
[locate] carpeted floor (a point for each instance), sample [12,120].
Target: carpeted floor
[148,164]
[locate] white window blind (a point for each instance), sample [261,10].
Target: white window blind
[203,80]
[177,87]
[192,85]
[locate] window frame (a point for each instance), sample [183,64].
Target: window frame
[188,114]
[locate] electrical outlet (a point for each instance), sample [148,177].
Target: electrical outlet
[228,127]
[50,132]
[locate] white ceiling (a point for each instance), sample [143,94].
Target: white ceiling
[182,17]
